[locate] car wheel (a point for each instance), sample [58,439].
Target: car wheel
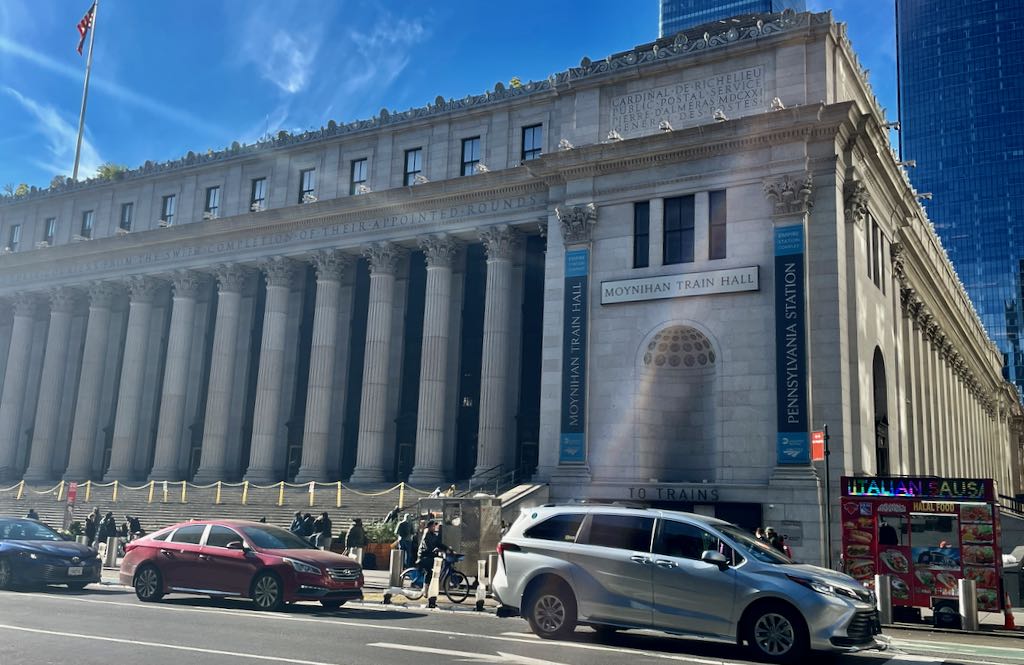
[778,634]
[332,604]
[551,611]
[267,592]
[6,575]
[77,586]
[149,584]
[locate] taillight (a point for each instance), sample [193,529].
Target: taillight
[507,547]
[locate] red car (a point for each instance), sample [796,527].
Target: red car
[268,564]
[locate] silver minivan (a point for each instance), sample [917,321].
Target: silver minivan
[615,568]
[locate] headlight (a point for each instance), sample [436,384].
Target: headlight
[28,555]
[303,567]
[825,588]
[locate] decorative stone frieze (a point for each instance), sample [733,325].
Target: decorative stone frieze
[577,223]
[187,283]
[500,242]
[855,196]
[330,264]
[440,250]
[383,257]
[790,196]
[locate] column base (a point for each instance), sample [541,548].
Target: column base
[263,476]
[170,475]
[316,475]
[39,476]
[9,474]
[366,475]
[120,475]
[80,475]
[426,478]
[209,476]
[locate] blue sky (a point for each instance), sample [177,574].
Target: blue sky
[169,77]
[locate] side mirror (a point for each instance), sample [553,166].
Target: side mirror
[237,545]
[715,558]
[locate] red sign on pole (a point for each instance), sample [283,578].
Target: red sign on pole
[817,446]
[72,492]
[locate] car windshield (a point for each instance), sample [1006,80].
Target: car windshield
[750,546]
[274,538]
[26,530]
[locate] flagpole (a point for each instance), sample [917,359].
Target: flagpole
[85,91]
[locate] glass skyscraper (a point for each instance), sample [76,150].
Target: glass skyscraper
[961,87]
[679,14]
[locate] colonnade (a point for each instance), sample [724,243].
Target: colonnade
[229,281]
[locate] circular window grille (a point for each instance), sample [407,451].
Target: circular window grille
[679,347]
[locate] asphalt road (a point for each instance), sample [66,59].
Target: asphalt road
[105,625]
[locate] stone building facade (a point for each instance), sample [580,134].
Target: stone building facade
[647,277]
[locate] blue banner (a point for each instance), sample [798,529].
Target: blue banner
[792,440]
[572,443]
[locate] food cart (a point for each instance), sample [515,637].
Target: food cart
[469,525]
[926,533]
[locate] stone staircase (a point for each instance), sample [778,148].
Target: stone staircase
[156,509]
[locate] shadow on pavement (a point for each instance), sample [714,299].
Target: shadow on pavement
[91,590]
[298,609]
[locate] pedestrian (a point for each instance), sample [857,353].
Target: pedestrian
[263,520]
[133,527]
[32,514]
[322,531]
[430,546]
[107,529]
[392,515]
[296,526]
[759,534]
[436,493]
[307,526]
[406,534]
[355,540]
[92,526]
[450,491]
[774,539]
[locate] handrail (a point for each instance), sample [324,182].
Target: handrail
[1012,504]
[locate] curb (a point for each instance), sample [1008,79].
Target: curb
[924,628]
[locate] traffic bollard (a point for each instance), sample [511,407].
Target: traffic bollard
[111,559]
[435,584]
[481,584]
[394,573]
[968,604]
[883,595]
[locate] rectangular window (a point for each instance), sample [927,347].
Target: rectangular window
[684,541]
[14,238]
[678,236]
[716,230]
[212,205]
[623,532]
[358,176]
[562,528]
[307,186]
[126,216]
[167,209]
[533,137]
[50,230]
[413,165]
[641,234]
[86,231]
[258,195]
[874,253]
[470,155]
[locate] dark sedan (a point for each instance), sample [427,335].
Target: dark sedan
[33,554]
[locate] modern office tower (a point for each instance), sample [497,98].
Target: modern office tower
[961,87]
[679,14]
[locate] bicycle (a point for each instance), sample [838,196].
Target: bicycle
[453,582]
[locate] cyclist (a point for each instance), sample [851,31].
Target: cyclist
[430,546]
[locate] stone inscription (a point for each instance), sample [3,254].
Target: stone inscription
[730,280]
[698,494]
[279,240]
[689,102]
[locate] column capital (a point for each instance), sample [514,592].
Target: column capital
[187,283]
[855,202]
[231,277]
[330,264]
[143,288]
[897,253]
[25,303]
[439,250]
[64,299]
[102,294]
[790,195]
[577,223]
[383,257]
[278,271]
[500,242]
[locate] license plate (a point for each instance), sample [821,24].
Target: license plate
[74,571]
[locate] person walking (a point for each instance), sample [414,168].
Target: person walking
[406,534]
[355,540]
[322,531]
[92,526]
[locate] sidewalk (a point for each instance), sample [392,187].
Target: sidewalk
[989,624]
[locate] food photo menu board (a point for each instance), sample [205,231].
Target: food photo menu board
[924,535]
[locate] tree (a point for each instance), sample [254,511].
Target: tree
[20,190]
[58,181]
[110,170]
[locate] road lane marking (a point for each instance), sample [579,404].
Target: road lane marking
[525,639]
[468,656]
[160,645]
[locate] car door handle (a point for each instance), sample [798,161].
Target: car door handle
[205,557]
[167,553]
[665,563]
[636,558]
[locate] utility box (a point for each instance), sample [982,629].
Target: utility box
[469,525]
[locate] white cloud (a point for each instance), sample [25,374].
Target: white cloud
[383,52]
[60,136]
[283,56]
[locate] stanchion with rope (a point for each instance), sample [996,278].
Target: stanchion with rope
[337,502]
[152,488]
[216,499]
[401,495]
[183,485]
[312,492]
[435,584]
[60,491]
[280,494]
[114,500]
[245,491]
[88,490]
[21,491]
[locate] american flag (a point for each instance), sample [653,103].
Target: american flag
[84,25]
